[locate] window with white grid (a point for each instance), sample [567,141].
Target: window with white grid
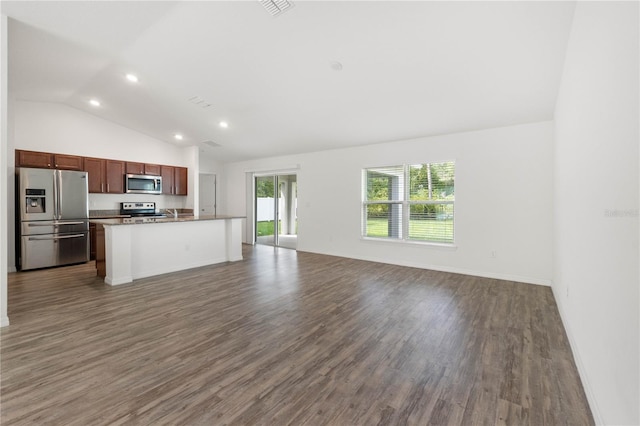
[410,202]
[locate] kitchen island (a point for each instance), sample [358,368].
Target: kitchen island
[132,248]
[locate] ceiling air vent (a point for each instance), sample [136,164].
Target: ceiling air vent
[197,100]
[276,7]
[212,144]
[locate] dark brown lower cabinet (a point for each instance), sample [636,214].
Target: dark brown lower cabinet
[92,241]
[101,263]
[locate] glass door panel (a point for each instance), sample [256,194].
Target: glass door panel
[287,203]
[265,210]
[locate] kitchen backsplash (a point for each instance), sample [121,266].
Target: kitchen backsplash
[112,201]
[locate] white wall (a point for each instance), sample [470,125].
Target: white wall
[55,127]
[210,166]
[595,278]
[58,128]
[503,200]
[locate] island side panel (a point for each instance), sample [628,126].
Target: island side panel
[160,248]
[118,254]
[234,239]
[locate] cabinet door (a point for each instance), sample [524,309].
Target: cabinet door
[167,179]
[152,169]
[95,167]
[42,160]
[180,181]
[115,176]
[101,264]
[135,168]
[68,162]
[92,241]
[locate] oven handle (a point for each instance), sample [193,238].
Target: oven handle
[56,238]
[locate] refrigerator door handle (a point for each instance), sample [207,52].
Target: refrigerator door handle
[55,224]
[56,191]
[55,196]
[59,176]
[58,237]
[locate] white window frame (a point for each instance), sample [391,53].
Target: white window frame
[405,202]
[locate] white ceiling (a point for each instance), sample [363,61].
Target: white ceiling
[410,69]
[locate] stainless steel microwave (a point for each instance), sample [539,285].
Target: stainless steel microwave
[143,184]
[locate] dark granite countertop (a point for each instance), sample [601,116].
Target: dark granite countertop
[148,220]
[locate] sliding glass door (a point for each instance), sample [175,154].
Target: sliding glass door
[276,202]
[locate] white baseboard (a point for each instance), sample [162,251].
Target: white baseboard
[166,270]
[175,268]
[453,270]
[591,399]
[4,322]
[11,269]
[117,281]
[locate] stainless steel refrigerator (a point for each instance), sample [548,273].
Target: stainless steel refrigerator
[53,225]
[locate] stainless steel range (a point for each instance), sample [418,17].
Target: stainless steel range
[145,209]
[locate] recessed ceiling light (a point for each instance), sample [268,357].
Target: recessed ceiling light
[132,78]
[95,102]
[335,65]
[178,136]
[223,124]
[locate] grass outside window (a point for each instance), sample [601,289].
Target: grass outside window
[430,230]
[265,227]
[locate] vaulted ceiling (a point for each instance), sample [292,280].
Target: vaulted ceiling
[321,75]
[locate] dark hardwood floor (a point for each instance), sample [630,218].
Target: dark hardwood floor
[285,338]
